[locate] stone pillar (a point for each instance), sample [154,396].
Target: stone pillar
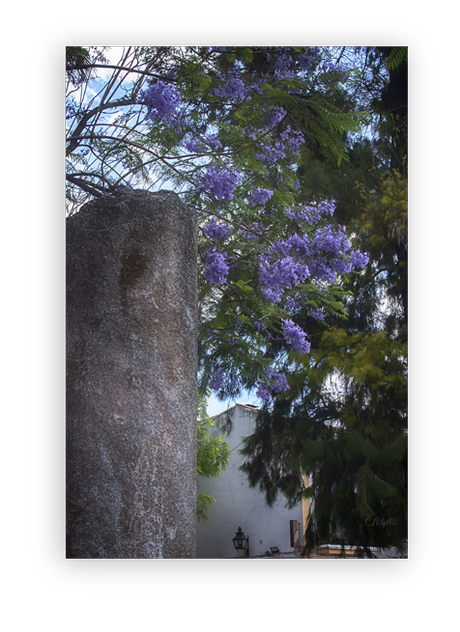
[131,377]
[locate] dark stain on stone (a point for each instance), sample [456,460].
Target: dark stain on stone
[133,266]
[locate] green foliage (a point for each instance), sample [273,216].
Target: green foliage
[397,55]
[80,61]
[212,457]
[328,125]
[203,503]
[346,427]
[344,422]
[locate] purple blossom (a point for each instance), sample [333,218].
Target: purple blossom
[214,141]
[359,259]
[288,144]
[192,144]
[340,265]
[274,117]
[163,102]
[234,88]
[255,233]
[331,241]
[217,379]
[322,256]
[216,268]
[220,183]
[263,392]
[311,214]
[301,244]
[197,145]
[277,383]
[338,71]
[292,303]
[293,139]
[281,69]
[260,196]
[321,270]
[218,232]
[278,275]
[271,153]
[327,207]
[295,335]
[317,314]
[308,58]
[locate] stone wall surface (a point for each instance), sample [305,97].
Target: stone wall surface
[131,377]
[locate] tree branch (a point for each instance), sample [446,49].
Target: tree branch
[95,190]
[76,135]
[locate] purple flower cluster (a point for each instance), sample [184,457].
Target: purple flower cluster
[293,140]
[283,62]
[295,302]
[233,87]
[359,259]
[217,379]
[272,150]
[193,145]
[308,58]
[198,145]
[331,241]
[296,336]
[217,232]
[322,270]
[331,68]
[216,268]
[260,196]
[254,234]
[214,141]
[162,100]
[274,116]
[272,153]
[312,214]
[220,183]
[321,256]
[280,274]
[277,383]
[317,314]
[300,244]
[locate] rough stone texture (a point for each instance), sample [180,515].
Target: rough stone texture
[131,377]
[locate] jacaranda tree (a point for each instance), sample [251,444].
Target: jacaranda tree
[225,128]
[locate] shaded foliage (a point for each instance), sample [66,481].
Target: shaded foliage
[343,423]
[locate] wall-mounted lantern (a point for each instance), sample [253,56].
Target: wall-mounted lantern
[241,542]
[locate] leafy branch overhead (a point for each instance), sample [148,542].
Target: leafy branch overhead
[227,129]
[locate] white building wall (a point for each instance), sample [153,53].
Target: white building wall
[238,505]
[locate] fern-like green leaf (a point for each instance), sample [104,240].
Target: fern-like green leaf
[396,57]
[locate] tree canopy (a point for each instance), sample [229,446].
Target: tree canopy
[344,422]
[226,128]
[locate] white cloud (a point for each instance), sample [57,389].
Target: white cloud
[113,55]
